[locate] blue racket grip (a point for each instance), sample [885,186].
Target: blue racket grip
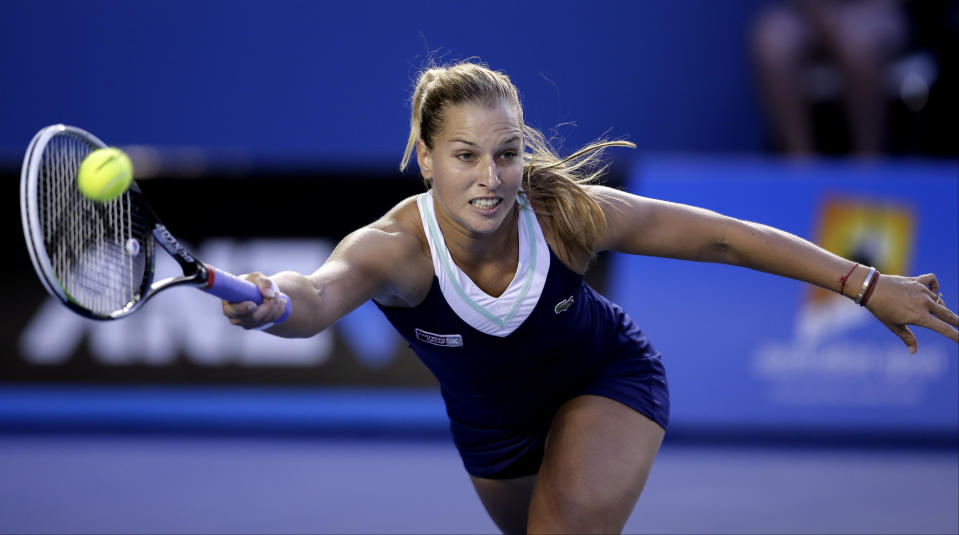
[233,289]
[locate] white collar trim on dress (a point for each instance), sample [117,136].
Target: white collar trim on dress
[496,316]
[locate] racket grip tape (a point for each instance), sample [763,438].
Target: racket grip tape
[233,289]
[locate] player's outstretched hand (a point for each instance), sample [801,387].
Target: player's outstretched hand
[902,301]
[248,314]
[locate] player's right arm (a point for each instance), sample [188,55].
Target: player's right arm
[381,260]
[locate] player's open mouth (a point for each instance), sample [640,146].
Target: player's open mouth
[486,203]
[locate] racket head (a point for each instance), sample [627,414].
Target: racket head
[97,258]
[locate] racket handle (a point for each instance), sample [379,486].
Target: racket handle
[233,289]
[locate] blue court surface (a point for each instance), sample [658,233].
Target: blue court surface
[156,483]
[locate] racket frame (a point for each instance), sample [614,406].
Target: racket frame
[195,273]
[30,214]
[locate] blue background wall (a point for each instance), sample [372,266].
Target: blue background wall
[305,82]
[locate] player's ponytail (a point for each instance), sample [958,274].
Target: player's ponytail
[422,86]
[554,186]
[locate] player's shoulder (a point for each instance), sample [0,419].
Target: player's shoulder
[403,219]
[400,236]
[400,228]
[404,213]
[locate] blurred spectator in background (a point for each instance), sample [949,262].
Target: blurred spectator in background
[856,39]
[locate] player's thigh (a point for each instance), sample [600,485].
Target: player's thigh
[598,456]
[506,501]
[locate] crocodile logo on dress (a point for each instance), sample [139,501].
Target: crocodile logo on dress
[563,305]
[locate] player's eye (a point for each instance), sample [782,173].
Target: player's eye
[465,156]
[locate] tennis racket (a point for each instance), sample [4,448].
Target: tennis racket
[98,258]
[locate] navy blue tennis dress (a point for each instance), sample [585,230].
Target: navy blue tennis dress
[506,364]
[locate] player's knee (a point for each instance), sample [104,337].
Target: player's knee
[575,508]
[506,501]
[575,520]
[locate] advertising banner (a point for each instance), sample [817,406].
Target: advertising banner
[747,349]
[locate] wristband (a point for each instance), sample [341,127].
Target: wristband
[872,286]
[865,285]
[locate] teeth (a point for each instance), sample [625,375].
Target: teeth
[484,204]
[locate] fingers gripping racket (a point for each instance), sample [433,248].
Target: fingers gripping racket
[97,258]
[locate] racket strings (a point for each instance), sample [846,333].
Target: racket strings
[98,251]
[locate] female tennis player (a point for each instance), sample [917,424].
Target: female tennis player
[557,401]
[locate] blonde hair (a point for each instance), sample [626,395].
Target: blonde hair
[553,184]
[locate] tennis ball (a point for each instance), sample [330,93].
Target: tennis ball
[105,174]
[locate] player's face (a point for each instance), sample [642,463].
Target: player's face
[476,165]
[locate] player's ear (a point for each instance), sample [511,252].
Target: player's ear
[424,158]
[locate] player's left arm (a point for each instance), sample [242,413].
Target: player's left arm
[639,225]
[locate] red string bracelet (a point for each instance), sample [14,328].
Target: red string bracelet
[872,286]
[843,279]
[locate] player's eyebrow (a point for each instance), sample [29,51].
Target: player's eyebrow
[467,142]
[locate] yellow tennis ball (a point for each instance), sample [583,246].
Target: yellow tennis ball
[105,174]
